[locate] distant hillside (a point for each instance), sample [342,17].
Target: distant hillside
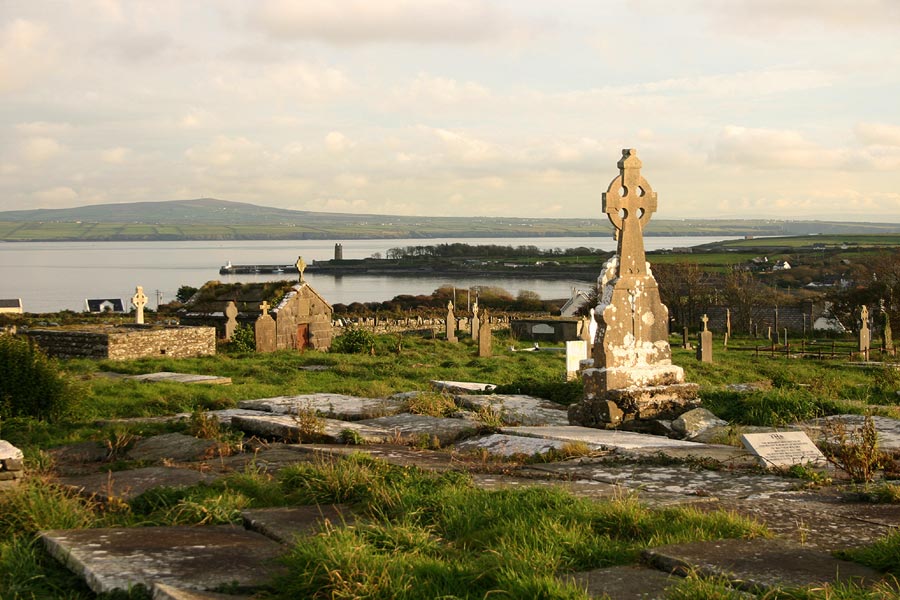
[211,219]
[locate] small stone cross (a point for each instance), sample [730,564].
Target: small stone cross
[628,203]
[140,301]
[705,320]
[301,266]
[863,315]
[264,307]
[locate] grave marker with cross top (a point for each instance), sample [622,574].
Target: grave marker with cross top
[629,202]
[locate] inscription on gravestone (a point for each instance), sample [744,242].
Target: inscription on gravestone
[782,449]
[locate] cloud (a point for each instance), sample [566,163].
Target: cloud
[878,134]
[55,196]
[428,89]
[226,151]
[781,16]
[43,128]
[337,142]
[365,21]
[773,149]
[288,80]
[467,148]
[40,149]
[26,51]
[115,156]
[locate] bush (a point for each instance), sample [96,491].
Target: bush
[353,341]
[31,385]
[243,339]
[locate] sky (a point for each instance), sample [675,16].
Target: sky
[783,109]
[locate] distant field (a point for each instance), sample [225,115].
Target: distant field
[811,241]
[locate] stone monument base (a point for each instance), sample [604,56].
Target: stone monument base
[666,398]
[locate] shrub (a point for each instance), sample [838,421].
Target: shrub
[243,339]
[353,341]
[31,384]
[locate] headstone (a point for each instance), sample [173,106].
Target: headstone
[685,340]
[576,351]
[728,322]
[451,323]
[265,330]
[485,341]
[775,321]
[139,300]
[704,349]
[769,334]
[231,312]
[592,328]
[782,449]
[887,338]
[864,334]
[474,324]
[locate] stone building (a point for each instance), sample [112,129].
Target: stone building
[303,319]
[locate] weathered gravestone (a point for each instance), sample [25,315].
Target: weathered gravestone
[728,322]
[576,351]
[475,323]
[231,312]
[685,339]
[864,334]
[704,348]
[139,300]
[451,323]
[782,449]
[265,330]
[887,338]
[485,338]
[632,348]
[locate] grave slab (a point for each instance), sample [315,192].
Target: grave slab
[193,558]
[168,376]
[461,387]
[178,447]
[286,427]
[414,428]
[224,416]
[672,479]
[623,583]
[603,438]
[783,449]
[125,485]
[286,524]
[162,591]
[760,564]
[499,444]
[432,460]
[888,429]
[727,456]
[332,406]
[518,409]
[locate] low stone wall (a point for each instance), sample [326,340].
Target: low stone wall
[12,465]
[379,326]
[127,342]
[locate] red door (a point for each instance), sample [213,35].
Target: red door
[302,336]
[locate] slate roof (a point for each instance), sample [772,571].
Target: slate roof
[95,305]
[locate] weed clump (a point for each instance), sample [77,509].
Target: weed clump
[31,385]
[354,341]
[243,339]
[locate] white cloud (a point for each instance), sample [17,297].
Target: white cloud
[115,156]
[427,89]
[773,149]
[56,196]
[782,16]
[294,80]
[364,21]
[878,134]
[337,142]
[40,149]
[226,151]
[467,148]
[26,51]
[43,128]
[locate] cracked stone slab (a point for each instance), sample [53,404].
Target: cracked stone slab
[224,415]
[604,438]
[288,428]
[760,564]
[178,447]
[727,456]
[412,428]
[431,460]
[888,429]
[500,444]
[286,524]
[461,387]
[168,376]
[332,406]
[673,479]
[623,583]
[162,591]
[193,558]
[518,409]
[125,485]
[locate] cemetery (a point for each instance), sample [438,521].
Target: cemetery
[448,455]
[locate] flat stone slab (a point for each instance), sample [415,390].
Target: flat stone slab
[314,368]
[673,479]
[193,558]
[333,406]
[461,387]
[431,460]
[888,429]
[602,438]
[500,444]
[168,376]
[423,428]
[7,450]
[224,416]
[783,449]
[760,564]
[286,524]
[128,484]
[727,456]
[623,583]
[162,591]
[178,447]
[287,427]
[518,409]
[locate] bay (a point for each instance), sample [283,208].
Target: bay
[53,276]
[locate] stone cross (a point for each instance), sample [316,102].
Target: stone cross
[704,348]
[264,307]
[301,266]
[887,338]
[629,202]
[864,336]
[231,312]
[473,325]
[139,300]
[705,320]
[451,323]
[728,322]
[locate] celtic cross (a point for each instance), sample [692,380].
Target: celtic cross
[628,203]
[264,307]
[301,266]
[705,320]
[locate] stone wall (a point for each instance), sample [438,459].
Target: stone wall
[379,326]
[127,342]
[12,466]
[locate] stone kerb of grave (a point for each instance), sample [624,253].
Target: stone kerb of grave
[632,348]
